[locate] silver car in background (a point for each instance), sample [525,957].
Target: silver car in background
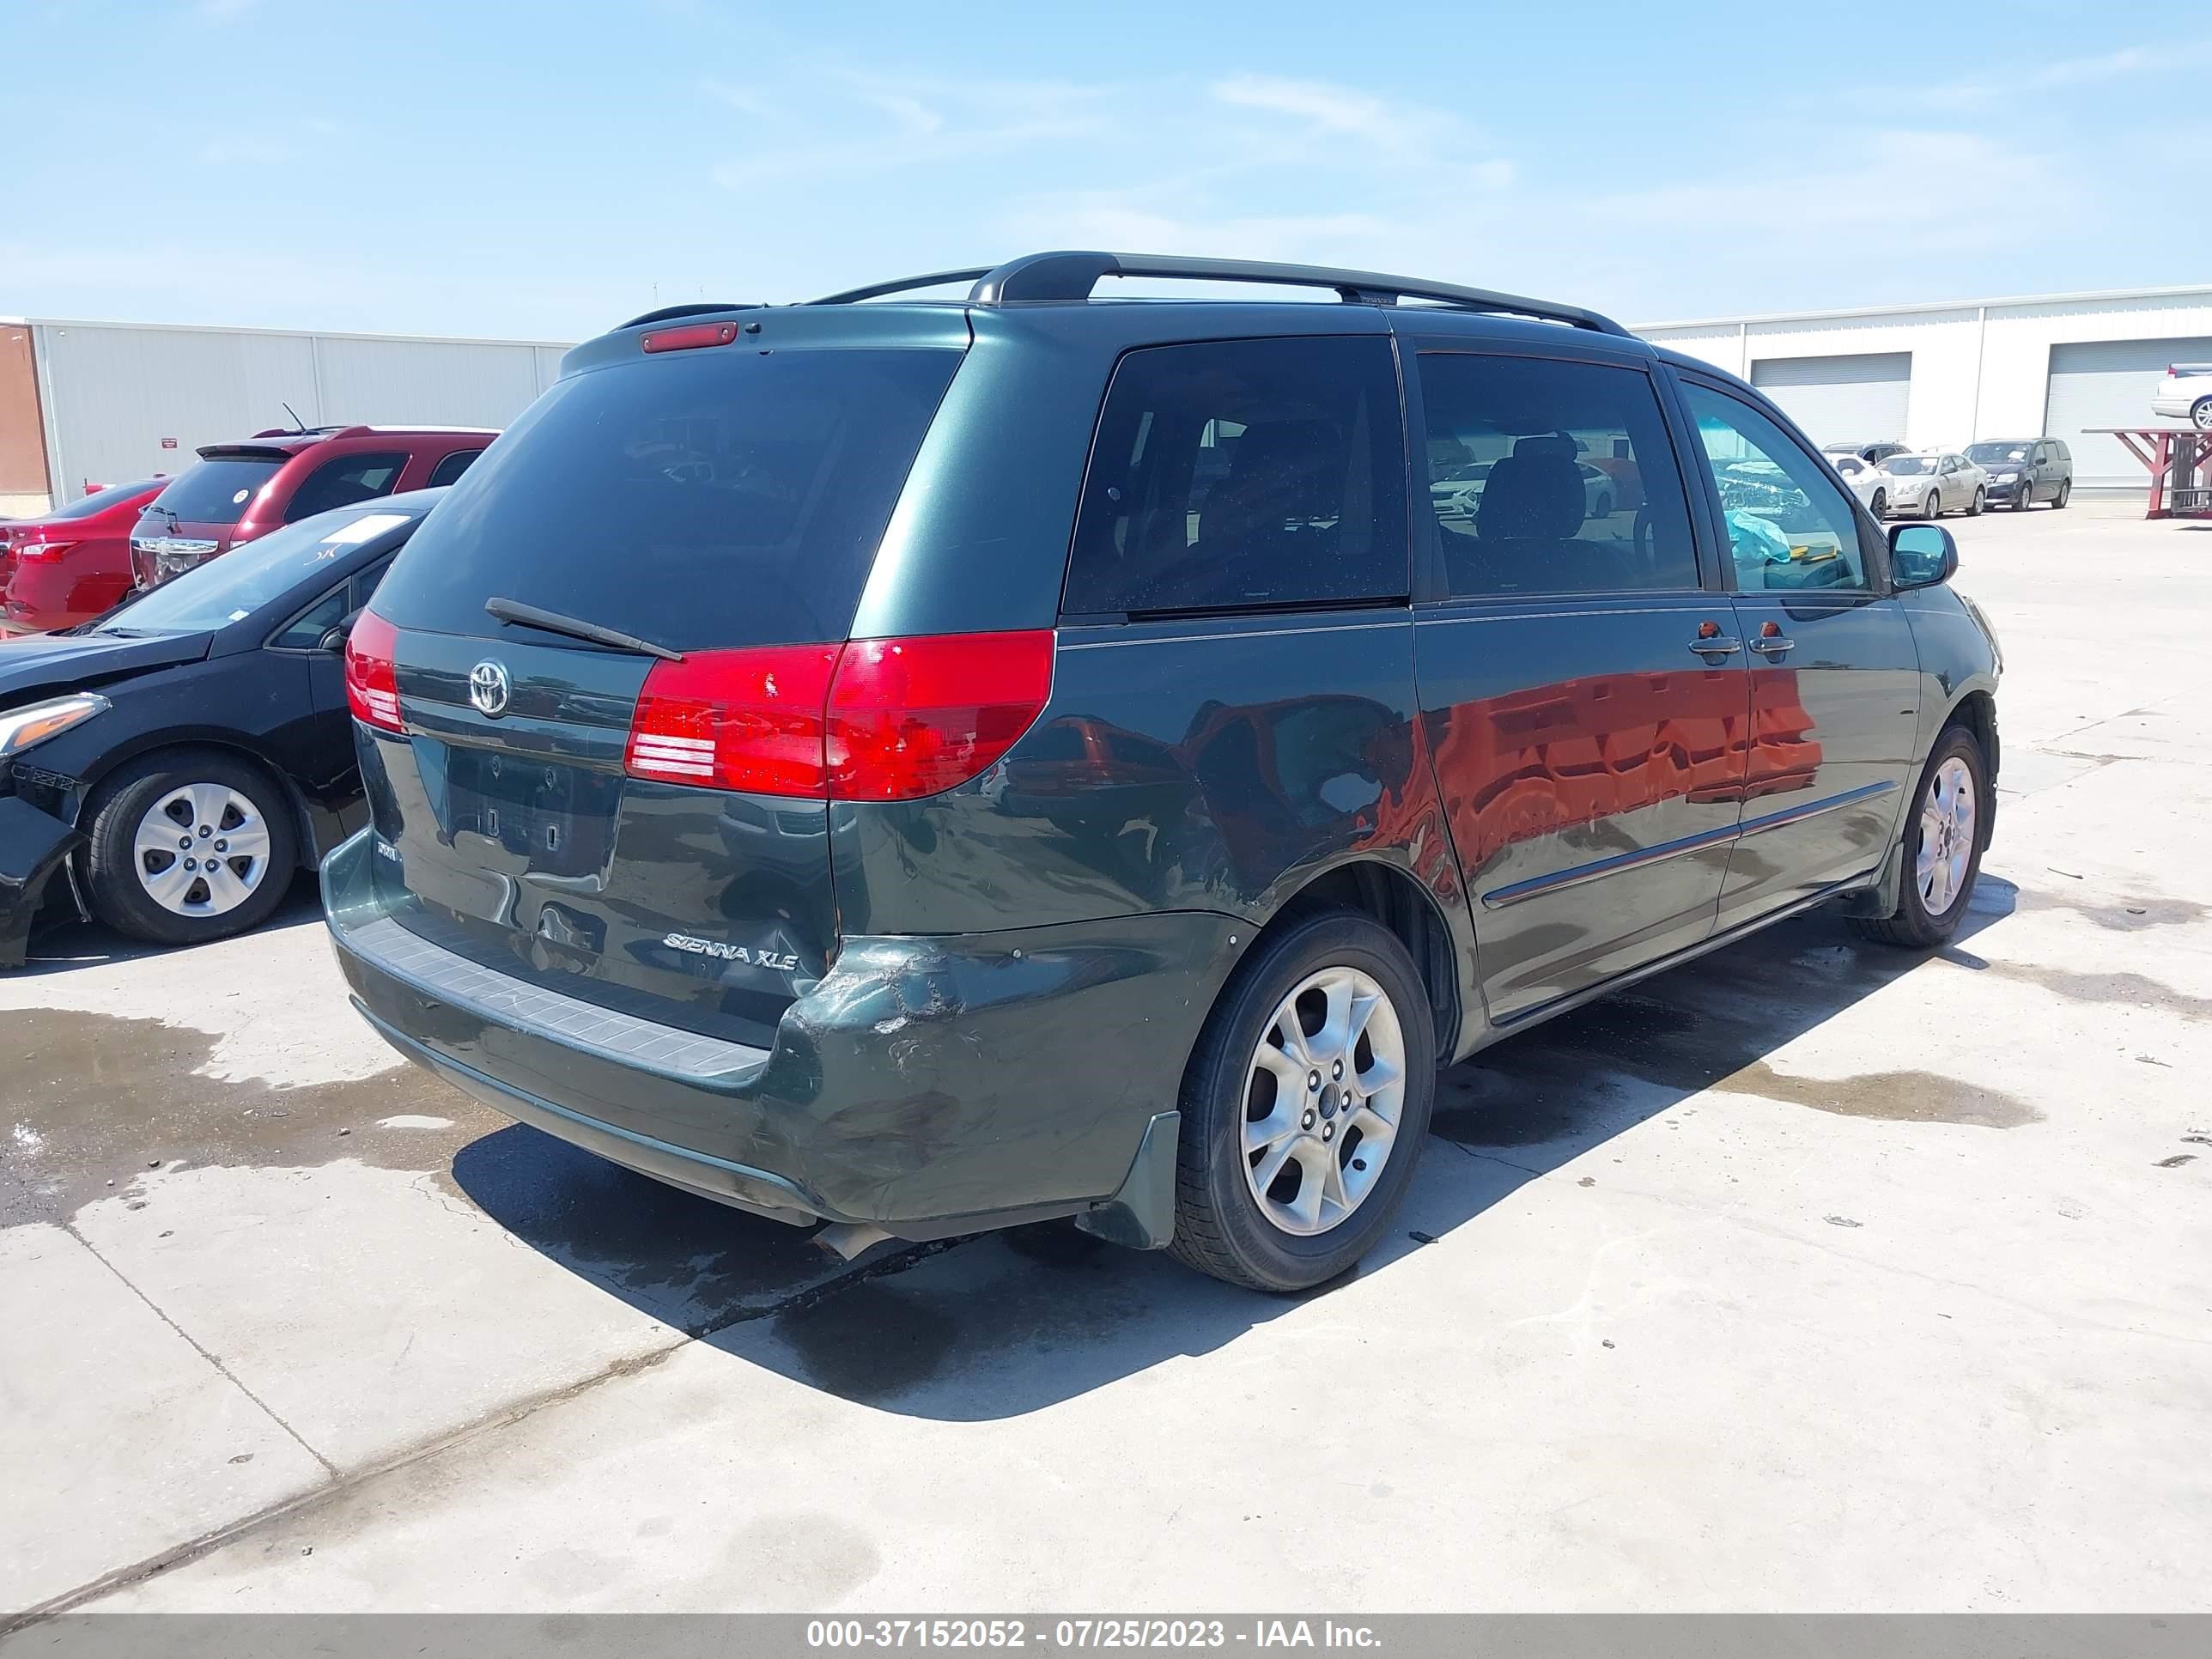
[1931,483]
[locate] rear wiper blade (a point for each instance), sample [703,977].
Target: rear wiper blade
[512,610]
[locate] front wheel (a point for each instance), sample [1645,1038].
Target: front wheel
[1305,1106]
[2023,495]
[1974,507]
[1942,848]
[189,846]
[1935,508]
[1879,504]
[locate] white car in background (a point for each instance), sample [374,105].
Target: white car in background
[1932,482]
[1865,480]
[2186,394]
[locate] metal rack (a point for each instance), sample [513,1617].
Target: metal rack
[1068,278]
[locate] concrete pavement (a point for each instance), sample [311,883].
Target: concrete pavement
[1811,1276]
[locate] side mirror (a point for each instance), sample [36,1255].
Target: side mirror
[1922,555]
[334,640]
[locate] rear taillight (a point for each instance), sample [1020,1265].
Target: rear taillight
[372,673]
[910,718]
[735,720]
[873,720]
[41,552]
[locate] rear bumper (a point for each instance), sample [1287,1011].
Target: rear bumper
[32,847]
[926,1085]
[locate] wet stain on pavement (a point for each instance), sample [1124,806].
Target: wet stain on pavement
[1892,1097]
[91,1104]
[2130,916]
[90,1101]
[870,1342]
[2130,990]
[1710,1025]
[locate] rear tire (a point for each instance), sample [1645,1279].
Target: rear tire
[1362,1011]
[2200,415]
[1932,902]
[2065,490]
[230,890]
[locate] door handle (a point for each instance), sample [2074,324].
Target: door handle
[1772,645]
[1715,646]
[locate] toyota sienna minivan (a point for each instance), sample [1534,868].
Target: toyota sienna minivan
[923,767]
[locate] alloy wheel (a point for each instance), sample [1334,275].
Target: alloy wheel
[1322,1098]
[1947,837]
[201,850]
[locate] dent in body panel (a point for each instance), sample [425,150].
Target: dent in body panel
[918,1079]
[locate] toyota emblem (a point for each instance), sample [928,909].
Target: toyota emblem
[489,688]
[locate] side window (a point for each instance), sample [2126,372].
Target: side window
[307,629]
[342,482]
[1244,474]
[365,581]
[1789,524]
[1549,476]
[450,467]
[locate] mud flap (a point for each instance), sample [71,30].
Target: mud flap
[1887,893]
[1141,1215]
[32,846]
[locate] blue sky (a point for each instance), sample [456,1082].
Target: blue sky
[545,170]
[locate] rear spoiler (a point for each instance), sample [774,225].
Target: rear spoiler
[243,453]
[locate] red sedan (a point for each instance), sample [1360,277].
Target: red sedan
[74,564]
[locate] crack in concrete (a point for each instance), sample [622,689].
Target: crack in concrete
[222,1370]
[889,1262]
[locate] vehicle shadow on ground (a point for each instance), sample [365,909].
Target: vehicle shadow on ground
[65,944]
[1013,1322]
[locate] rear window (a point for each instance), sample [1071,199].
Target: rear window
[100,500]
[216,491]
[700,500]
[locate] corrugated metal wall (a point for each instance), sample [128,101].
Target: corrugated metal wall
[113,392]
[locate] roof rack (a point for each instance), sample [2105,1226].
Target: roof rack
[1070,276]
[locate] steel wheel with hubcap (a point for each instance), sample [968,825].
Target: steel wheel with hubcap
[1305,1104]
[1944,835]
[202,850]
[188,846]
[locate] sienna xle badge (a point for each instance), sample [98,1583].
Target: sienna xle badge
[923,767]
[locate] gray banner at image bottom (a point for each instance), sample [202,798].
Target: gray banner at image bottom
[1408,1635]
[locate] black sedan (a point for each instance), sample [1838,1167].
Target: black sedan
[169,767]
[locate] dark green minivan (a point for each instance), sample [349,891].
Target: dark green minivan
[922,767]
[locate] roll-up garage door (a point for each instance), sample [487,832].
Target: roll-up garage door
[2098,383]
[1858,399]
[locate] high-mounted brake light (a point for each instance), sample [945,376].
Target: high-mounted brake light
[873,720]
[690,335]
[372,673]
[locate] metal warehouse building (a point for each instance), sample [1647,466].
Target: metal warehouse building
[103,403]
[1938,376]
